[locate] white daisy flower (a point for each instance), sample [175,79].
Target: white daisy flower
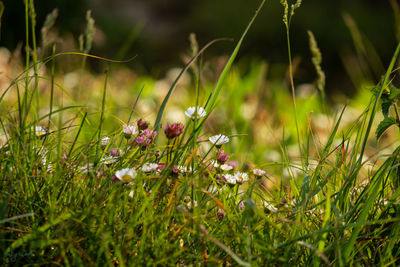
[259,172]
[219,139]
[241,177]
[105,141]
[226,167]
[182,169]
[229,178]
[192,114]
[40,131]
[108,160]
[86,168]
[125,174]
[149,167]
[269,207]
[129,130]
[214,163]
[190,205]
[185,169]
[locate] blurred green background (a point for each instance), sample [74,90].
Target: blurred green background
[157,31]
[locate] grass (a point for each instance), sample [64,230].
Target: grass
[78,189]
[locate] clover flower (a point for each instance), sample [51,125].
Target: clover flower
[195,112]
[222,157]
[149,167]
[129,130]
[175,170]
[160,167]
[125,174]
[221,214]
[114,152]
[241,177]
[219,139]
[259,172]
[173,130]
[146,138]
[241,206]
[142,125]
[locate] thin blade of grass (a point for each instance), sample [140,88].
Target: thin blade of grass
[224,74]
[165,101]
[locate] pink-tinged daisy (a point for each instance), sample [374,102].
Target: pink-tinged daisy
[129,130]
[195,112]
[226,167]
[259,172]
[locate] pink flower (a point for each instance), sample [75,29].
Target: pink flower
[232,163]
[175,170]
[142,125]
[114,152]
[221,214]
[160,167]
[221,157]
[146,138]
[173,130]
[241,206]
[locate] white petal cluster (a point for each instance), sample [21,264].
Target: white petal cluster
[229,178]
[226,167]
[237,178]
[40,131]
[129,130]
[105,141]
[259,172]
[149,167]
[125,174]
[241,177]
[269,207]
[195,112]
[219,139]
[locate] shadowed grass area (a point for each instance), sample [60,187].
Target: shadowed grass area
[197,168]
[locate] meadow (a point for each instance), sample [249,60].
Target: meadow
[216,164]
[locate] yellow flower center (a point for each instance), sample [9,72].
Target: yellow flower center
[126,177]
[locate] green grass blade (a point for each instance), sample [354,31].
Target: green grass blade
[171,89]
[210,105]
